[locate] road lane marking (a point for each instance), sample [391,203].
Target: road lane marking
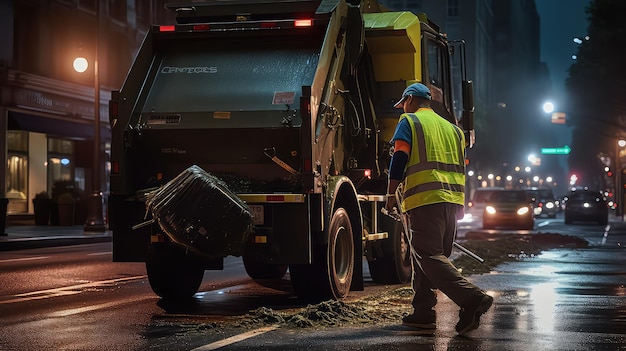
[543,224]
[67,290]
[99,253]
[73,311]
[236,338]
[24,259]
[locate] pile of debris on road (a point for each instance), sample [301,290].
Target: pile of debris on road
[502,247]
[388,307]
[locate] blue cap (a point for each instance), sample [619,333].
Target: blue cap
[415,89]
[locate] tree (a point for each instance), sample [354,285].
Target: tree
[596,87]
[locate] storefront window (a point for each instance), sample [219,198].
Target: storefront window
[17,171]
[60,161]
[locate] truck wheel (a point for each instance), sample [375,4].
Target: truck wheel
[394,264]
[330,274]
[172,273]
[257,269]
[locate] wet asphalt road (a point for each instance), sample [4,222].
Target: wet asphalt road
[565,299]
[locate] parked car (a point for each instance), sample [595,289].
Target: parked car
[509,208]
[544,201]
[476,205]
[586,205]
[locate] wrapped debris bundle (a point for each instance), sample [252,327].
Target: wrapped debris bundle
[197,210]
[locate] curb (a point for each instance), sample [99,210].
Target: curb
[51,241]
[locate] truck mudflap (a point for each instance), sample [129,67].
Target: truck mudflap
[198,211]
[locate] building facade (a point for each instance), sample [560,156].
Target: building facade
[47,108]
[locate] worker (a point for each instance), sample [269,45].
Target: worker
[429,160]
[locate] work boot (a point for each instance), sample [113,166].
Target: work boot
[421,320]
[469,317]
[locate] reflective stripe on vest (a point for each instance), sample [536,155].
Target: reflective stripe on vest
[433,181]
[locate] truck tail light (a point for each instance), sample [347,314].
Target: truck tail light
[303,23]
[169,28]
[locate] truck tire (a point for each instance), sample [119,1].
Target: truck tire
[257,269]
[330,274]
[172,273]
[393,266]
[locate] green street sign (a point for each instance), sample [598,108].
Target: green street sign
[556,150]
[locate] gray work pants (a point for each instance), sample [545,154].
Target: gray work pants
[434,229]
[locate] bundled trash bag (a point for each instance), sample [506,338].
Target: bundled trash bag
[197,210]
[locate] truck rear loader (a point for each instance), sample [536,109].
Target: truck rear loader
[288,104]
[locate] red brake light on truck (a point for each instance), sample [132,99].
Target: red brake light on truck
[170,28]
[303,23]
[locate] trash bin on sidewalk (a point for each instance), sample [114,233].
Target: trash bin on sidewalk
[66,203]
[42,206]
[4,203]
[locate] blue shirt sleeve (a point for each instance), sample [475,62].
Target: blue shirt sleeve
[403,132]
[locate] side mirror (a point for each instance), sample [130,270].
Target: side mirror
[467,117]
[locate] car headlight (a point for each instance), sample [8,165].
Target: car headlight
[522,211]
[490,210]
[549,204]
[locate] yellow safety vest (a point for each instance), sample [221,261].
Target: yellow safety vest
[433,173]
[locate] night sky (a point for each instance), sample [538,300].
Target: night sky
[561,21]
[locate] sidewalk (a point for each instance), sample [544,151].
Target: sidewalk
[30,237]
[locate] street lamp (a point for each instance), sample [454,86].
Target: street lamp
[95,220]
[548,107]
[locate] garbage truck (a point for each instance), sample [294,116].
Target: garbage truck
[284,109]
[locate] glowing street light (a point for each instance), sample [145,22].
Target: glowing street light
[80,64]
[548,107]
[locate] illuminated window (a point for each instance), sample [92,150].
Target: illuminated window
[17,171]
[60,161]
